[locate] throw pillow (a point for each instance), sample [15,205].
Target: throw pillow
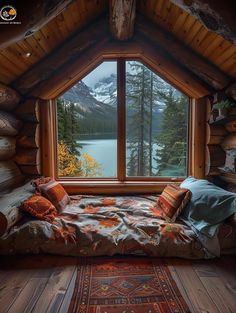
[54,192]
[172,201]
[39,207]
[209,206]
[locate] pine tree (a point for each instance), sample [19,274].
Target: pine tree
[171,157]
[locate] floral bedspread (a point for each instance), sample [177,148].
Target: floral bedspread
[92,226]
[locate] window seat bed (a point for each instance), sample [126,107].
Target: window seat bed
[96,225]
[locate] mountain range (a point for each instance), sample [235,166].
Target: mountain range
[96,107]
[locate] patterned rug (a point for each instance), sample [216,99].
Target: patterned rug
[125,285]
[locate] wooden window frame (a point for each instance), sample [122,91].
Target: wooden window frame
[121,184]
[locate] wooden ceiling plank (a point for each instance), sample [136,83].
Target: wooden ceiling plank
[36,47]
[60,22]
[121,18]
[187,57]
[226,55]
[219,49]
[35,16]
[175,11]
[14,59]
[199,38]
[157,8]
[179,22]
[186,27]
[171,71]
[69,50]
[6,63]
[192,32]
[68,22]
[74,14]
[48,38]
[42,41]
[24,50]
[212,46]
[165,10]
[230,63]
[206,41]
[217,16]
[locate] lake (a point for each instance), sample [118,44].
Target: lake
[104,151]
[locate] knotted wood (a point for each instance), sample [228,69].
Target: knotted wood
[7,147]
[9,124]
[27,156]
[217,16]
[9,98]
[122,17]
[29,136]
[28,110]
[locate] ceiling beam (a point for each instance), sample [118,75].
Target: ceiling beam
[61,57]
[122,16]
[184,55]
[31,16]
[168,69]
[218,16]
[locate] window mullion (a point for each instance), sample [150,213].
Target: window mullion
[121,140]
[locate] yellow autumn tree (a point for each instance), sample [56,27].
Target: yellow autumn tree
[90,167]
[70,165]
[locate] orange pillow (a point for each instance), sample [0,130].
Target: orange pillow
[39,207]
[172,201]
[53,191]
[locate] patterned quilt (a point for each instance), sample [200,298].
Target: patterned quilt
[92,226]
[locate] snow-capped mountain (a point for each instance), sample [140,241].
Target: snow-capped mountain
[85,101]
[105,90]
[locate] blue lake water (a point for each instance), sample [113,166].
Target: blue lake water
[104,151]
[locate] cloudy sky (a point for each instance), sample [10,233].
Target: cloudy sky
[103,70]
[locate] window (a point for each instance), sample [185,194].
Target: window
[122,121]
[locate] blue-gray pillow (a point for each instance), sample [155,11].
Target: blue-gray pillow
[209,205]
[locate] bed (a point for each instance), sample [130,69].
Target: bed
[104,225]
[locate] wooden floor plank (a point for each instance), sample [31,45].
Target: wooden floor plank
[198,295]
[181,287]
[45,284]
[66,301]
[30,294]
[11,286]
[219,294]
[54,292]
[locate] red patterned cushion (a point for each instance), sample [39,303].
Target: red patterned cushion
[53,191]
[39,207]
[172,201]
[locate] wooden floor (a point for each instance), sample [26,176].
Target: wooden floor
[45,284]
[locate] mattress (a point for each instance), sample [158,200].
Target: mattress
[95,226]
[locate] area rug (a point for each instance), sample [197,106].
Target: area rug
[125,285]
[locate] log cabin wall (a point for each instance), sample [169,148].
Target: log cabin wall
[19,138]
[221,141]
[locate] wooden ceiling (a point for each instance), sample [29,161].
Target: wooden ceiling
[19,57]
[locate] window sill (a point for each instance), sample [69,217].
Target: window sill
[114,186]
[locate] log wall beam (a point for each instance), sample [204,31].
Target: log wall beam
[31,17]
[184,55]
[218,16]
[122,17]
[72,49]
[9,98]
